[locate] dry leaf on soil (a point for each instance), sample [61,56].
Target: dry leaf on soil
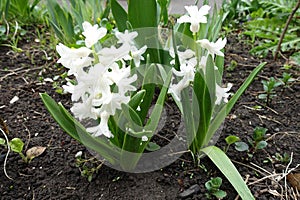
[35,152]
[294,180]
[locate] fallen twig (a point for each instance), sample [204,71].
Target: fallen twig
[285,29]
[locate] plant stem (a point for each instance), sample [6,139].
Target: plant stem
[24,158]
[285,29]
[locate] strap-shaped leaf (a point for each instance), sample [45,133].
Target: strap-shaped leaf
[224,164]
[136,99]
[158,108]
[119,14]
[203,101]
[220,117]
[163,10]
[149,87]
[133,119]
[78,132]
[142,13]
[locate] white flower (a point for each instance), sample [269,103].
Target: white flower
[74,59]
[78,154]
[102,128]
[175,89]
[188,73]
[144,138]
[221,93]
[121,77]
[213,48]
[91,83]
[195,17]
[70,88]
[92,33]
[112,102]
[183,56]
[136,55]
[107,56]
[84,109]
[127,37]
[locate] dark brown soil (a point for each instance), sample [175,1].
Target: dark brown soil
[54,174]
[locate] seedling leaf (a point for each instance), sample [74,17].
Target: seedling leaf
[2,141]
[16,145]
[241,146]
[152,146]
[261,144]
[220,194]
[231,139]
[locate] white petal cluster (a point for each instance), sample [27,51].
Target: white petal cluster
[222,93]
[187,71]
[92,33]
[103,78]
[194,17]
[74,59]
[213,48]
[188,65]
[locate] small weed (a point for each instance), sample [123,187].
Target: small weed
[232,66]
[213,187]
[287,79]
[257,141]
[231,139]
[285,158]
[17,146]
[269,90]
[88,167]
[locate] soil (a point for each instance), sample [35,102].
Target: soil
[56,175]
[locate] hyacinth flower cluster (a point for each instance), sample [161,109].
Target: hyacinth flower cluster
[103,79]
[114,85]
[188,58]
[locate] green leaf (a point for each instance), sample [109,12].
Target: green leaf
[220,117]
[163,10]
[149,87]
[224,164]
[142,13]
[220,194]
[158,108]
[78,132]
[241,146]
[56,113]
[135,100]
[16,145]
[261,144]
[119,14]
[2,141]
[203,116]
[296,57]
[259,133]
[262,96]
[214,183]
[132,117]
[231,139]
[152,146]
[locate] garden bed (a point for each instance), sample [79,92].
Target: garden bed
[55,175]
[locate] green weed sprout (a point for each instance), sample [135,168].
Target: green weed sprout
[213,187]
[269,90]
[287,79]
[257,141]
